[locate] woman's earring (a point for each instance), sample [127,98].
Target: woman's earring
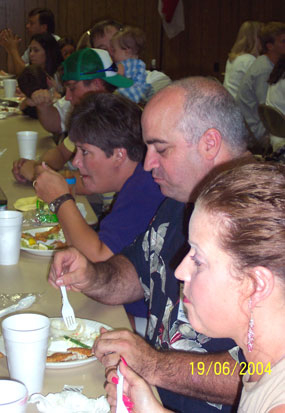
[250,334]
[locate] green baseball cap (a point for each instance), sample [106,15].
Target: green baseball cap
[89,63]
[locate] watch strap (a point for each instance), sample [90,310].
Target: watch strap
[56,203]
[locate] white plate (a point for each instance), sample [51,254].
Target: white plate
[94,326]
[6,76]
[44,253]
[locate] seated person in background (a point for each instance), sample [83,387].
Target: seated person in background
[32,78]
[100,37]
[234,283]
[245,50]
[40,21]
[66,46]
[254,85]
[126,46]
[191,128]
[102,33]
[96,63]
[276,96]
[109,158]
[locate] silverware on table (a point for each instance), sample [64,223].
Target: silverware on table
[67,311]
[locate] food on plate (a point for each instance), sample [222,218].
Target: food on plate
[60,347]
[73,353]
[50,239]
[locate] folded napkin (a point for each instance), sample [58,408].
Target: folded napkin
[69,401]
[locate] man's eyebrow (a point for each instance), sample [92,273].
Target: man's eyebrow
[154,140]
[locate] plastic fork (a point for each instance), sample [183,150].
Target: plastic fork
[67,311]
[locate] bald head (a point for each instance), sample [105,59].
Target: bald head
[205,104]
[189,128]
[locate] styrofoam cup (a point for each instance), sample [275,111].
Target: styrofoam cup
[9,87]
[10,236]
[26,343]
[13,396]
[27,141]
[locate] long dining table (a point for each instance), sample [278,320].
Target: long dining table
[30,274]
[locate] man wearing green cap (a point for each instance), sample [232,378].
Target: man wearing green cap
[87,70]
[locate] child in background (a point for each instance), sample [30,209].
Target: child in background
[126,45]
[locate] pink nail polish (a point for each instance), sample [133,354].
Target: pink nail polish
[124,361]
[115,380]
[126,399]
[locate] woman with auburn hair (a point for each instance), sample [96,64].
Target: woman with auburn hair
[234,284]
[245,50]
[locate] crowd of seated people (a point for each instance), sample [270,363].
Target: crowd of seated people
[181,157]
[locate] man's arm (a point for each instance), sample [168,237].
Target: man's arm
[24,170]
[111,282]
[212,377]
[48,115]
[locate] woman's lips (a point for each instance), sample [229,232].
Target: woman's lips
[185,300]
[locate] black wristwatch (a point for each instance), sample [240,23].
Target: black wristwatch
[55,205]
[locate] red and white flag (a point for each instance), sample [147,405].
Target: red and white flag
[172,14]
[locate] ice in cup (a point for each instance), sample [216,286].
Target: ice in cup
[27,141]
[13,396]
[9,87]
[26,343]
[10,236]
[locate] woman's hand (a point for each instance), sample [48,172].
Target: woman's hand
[139,397]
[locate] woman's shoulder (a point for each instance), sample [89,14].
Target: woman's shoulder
[244,59]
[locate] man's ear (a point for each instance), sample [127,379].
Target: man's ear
[209,144]
[119,155]
[263,282]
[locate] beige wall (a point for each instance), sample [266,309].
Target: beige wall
[211,27]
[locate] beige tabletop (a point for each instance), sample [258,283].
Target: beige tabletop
[30,275]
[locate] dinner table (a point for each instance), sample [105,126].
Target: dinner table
[30,275]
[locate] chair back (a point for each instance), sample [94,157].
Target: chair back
[272,119]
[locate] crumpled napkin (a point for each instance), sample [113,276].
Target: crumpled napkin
[69,401]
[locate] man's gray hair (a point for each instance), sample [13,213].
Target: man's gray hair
[209,105]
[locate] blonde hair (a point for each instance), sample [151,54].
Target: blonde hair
[132,38]
[84,41]
[247,40]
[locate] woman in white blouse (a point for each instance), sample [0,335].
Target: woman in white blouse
[245,50]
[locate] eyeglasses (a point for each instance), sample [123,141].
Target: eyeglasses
[112,68]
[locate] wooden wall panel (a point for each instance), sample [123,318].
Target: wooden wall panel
[211,27]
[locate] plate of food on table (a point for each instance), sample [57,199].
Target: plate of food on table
[43,241]
[69,348]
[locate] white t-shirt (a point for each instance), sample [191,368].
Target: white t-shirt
[64,108]
[235,71]
[276,95]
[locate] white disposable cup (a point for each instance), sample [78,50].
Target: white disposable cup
[27,141]
[10,236]
[9,87]
[26,343]
[13,396]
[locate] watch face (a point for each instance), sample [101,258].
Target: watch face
[52,207]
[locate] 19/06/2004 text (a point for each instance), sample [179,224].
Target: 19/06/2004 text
[225,369]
